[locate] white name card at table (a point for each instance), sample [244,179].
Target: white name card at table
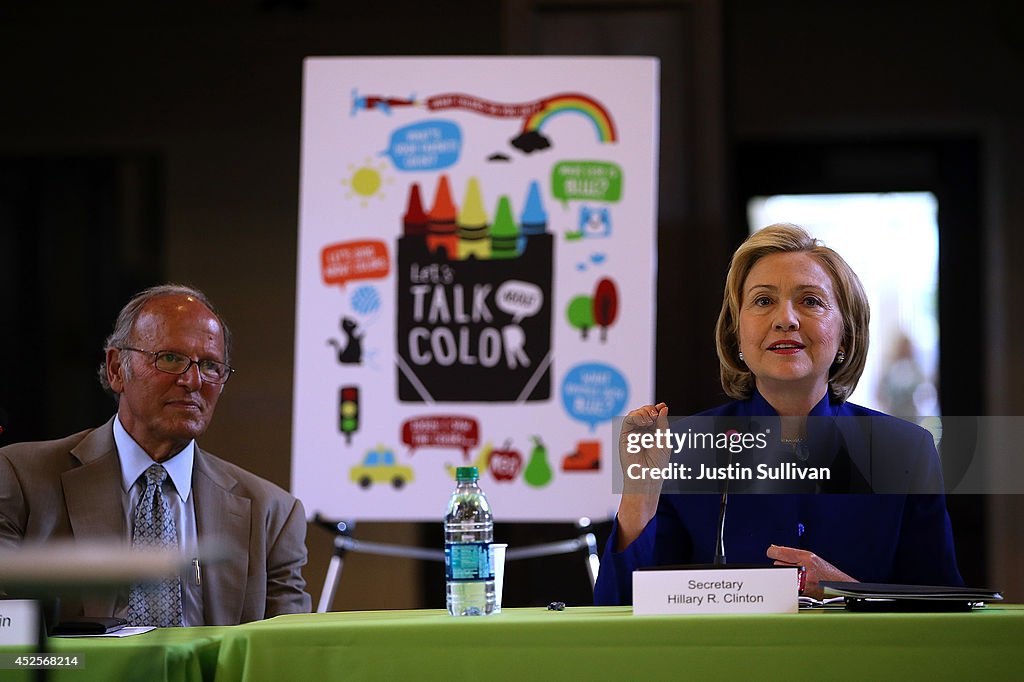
[19,622]
[767,589]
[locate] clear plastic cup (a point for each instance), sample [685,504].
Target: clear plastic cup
[498,562]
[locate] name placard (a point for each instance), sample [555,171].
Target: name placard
[762,589]
[19,622]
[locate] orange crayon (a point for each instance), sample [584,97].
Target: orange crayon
[441,230]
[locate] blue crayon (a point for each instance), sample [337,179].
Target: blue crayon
[534,219]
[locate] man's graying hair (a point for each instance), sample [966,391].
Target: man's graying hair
[129,315]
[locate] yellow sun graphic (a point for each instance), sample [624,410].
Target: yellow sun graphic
[366,181]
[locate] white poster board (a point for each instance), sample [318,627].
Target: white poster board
[476,281]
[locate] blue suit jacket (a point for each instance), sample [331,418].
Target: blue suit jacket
[897,537]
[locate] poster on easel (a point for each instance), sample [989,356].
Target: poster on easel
[476,281]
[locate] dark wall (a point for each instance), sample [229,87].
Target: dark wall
[211,98]
[210,93]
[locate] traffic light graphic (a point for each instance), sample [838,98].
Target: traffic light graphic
[348,411]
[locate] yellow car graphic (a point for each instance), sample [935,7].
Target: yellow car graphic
[379,467]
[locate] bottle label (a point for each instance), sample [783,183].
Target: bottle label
[468,561]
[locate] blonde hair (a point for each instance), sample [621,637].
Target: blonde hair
[737,379]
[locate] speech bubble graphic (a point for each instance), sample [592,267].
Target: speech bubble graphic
[364,259]
[587,180]
[429,145]
[445,431]
[519,299]
[594,392]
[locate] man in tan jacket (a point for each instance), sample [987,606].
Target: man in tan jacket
[166,361]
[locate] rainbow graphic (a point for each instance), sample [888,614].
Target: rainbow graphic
[573,103]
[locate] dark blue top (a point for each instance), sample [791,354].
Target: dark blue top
[883,538]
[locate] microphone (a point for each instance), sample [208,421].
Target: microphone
[720,527]
[723,502]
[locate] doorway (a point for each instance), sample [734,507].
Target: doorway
[927,190]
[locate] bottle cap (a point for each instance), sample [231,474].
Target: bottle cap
[466,474]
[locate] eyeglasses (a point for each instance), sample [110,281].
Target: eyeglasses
[175,363]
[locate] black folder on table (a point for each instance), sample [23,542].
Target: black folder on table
[890,597]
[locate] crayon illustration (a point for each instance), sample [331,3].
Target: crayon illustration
[441,231]
[474,233]
[414,223]
[504,232]
[534,219]
[464,270]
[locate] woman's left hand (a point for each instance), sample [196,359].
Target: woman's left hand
[817,568]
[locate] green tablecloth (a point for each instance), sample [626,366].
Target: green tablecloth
[578,643]
[612,644]
[169,654]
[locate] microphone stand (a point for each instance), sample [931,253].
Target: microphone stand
[720,528]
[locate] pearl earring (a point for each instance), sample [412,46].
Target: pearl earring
[741,356]
[841,358]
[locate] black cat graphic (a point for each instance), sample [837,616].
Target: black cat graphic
[352,352]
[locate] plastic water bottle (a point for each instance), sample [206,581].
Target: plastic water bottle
[468,533]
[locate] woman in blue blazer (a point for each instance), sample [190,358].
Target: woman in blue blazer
[792,338]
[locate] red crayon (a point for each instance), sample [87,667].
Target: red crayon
[414,223]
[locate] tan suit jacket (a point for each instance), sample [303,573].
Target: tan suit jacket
[71,488]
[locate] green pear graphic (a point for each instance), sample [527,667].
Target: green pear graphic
[538,472]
